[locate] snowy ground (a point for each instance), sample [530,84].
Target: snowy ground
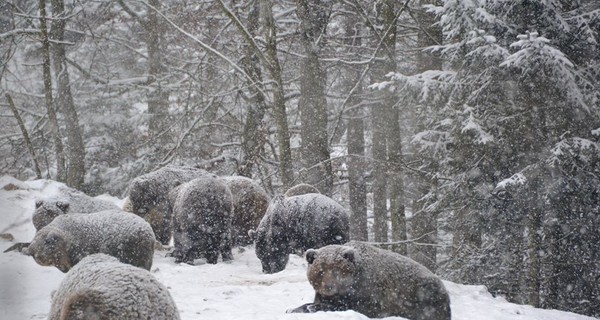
[236,290]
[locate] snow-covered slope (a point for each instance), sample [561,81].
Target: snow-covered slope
[236,290]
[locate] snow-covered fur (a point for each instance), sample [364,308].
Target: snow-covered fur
[100,287]
[297,223]
[148,196]
[250,202]
[375,282]
[202,213]
[302,188]
[69,201]
[69,238]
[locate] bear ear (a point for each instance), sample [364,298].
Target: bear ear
[39,203]
[52,238]
[252,234]
[349,255]
[64,206]
[311,255]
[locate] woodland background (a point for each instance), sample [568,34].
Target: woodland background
[463,133]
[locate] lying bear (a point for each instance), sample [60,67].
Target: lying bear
[375,282]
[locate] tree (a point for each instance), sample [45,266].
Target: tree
[314,16]
[424,217]
[64,98]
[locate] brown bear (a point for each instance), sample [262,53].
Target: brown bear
[250,202]
[295,224]
[202,213]
[101,287]
[302,188]
[69,238]
[375,282]
[69,201]
[148,196]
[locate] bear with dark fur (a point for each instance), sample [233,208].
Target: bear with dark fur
[250,202]
[302,188]
[101,287]
[148,196]
[202,214]
[375,282]
[70,201]
[295,224]
[71,237]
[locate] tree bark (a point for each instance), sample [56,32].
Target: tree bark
[52,117]
[64,98]
[313,105]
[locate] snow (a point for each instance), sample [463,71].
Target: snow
[235,290]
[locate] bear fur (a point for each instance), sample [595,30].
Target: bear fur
[202,215]
[302,188]
[70,201]
[101,287]
[295,224]
[375,282]
[250,202]
[148,196]
[69,238]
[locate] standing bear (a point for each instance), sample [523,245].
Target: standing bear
[148,196]
[375,282]
[101,287]
[296,224]
[71,237]
[202,213]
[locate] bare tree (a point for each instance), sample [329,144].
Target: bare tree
[64,98]
[355,115]
[49,99]
[314,16]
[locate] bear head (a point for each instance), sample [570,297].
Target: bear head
[47,210]
[49,247]
[272,248]
[331,270]
[142,196]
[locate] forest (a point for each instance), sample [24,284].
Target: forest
[462,133]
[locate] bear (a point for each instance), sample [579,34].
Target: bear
[102,287]
[148,196]
[297,223]
[302,188]
[202,215]
[250,202]
[70,237]
[72,201]
[375,282]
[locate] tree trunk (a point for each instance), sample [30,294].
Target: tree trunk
[313,105]
[253,135]
[424,221]
[279,109]
[64,99]
[357,185]
[158,97]
[52,117]
[13,108]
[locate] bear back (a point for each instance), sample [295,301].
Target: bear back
[101,287]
